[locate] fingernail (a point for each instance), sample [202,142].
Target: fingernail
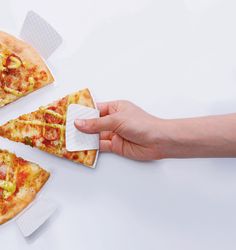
[80,123]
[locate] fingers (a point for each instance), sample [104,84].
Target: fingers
[103,108]
[91,126]
[106,135]
[105,146]
[107,108]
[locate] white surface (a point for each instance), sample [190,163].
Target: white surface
[75,139]
[174,58]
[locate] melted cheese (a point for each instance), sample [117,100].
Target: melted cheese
[13,91]
[34,168]
[8,186]
[42,124]
[22,192]
[3,169]
[51,112]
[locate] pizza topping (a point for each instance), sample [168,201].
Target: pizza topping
[21,161]
[43,75]
[3,172]
[6,194]
[1,193]
[1,64]
[29,141]
[31,80]
[13,62]
[57,109]
[12,82]
[51,134]
[13,91]
[52,117]
[21,178]
[18,77]
[4,209]
[19,187]
[8,186]
[21,194]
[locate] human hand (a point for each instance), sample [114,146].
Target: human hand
[125,129]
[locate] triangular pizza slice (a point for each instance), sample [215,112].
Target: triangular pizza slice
[22,70]
[45,128]
[20,181]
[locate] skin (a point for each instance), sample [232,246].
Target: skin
[127,130]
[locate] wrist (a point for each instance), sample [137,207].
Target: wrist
[161,137]
[168,138]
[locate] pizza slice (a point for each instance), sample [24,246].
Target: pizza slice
[21,69]
[20,181]
[45,128]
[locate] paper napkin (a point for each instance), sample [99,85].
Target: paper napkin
[36,215]
[75,139]
[40,34]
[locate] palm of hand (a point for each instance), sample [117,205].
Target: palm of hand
[131,138]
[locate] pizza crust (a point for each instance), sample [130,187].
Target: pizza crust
[18,207]
[22,203]
[26,52]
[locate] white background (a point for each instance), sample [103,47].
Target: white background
[175,58]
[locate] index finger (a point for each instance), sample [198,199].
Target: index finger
[107,108]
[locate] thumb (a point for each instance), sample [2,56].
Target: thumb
[97,125]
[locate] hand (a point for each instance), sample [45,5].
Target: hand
[125,129]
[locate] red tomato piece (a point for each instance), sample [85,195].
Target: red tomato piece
[52,119]
[51,134]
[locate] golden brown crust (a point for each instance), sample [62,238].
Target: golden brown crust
[25,51]
[17,208]
[27,188]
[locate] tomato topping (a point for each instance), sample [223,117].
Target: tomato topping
[63,101]
[3,170]
[1,191]
[13,80]
[32,70]
[51,134]
[47,143]
[29,141]
[56,109]
[4,209]
[52,119]
[2,176]
[52,108]
[1,79]
[75,157]
[9,198]
[43,75]
[21,161]
[21,178]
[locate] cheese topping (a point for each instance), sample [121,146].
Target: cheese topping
[8,186]
[18,77]
[39,123]
[51,112]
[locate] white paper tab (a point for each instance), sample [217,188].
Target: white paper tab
[40,34]
[75,139]
[33,217]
